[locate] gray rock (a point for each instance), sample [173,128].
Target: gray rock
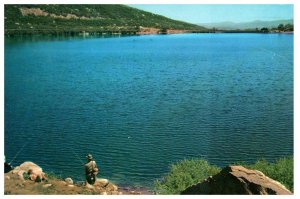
[69,181]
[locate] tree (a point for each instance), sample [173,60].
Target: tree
[264,30]
[289,27]
[281,27]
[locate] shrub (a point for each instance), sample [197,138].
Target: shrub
[281,170]
[184,174]
[189,172]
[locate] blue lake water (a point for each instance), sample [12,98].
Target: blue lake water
[140,103]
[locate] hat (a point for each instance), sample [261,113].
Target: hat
[89,156]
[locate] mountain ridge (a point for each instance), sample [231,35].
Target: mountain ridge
[229,25]
[51,19]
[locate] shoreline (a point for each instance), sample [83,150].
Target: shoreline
[146,31]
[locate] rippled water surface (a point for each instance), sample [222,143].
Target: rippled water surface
[140,103]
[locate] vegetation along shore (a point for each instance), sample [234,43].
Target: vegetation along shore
[103,20]
[184,177]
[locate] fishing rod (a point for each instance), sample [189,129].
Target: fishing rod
[21,149]
[77,156]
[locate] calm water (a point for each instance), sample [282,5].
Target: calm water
[140,103]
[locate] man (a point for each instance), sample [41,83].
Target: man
[7,167]
[91,170]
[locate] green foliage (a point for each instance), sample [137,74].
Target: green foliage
[280,27]
[264,30]
[90,18]
[281,170]
[189,172]
[52,176]
[184,174]
[289,27]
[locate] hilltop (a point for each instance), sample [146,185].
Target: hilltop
[228,25]
[92,19]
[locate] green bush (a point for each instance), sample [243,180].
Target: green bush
[281,170]
[184,174]
[189,172]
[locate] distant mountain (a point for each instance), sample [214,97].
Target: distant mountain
[60,18]
[246,25]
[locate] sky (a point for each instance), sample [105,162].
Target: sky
[205,13]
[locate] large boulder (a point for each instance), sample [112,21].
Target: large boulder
[29,167]
[238,180]
[26,166]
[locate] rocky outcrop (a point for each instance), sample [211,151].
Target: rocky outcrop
[28,167]
[238,180]
[16,184]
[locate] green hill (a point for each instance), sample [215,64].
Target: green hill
[72,19]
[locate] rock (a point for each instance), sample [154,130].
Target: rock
[69,180]
[238,180]
[103,193]
[20,174]
[114,193]
[101,182]
[36,172]
[71,185]
[7,178]
[87,185]
[30,165]
[135,192]
[111,187]
[63,183]
[47,185]
[16,170]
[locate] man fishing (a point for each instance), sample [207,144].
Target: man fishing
[7,166]
[91,170]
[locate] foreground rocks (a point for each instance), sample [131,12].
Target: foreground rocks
[14,183]
[238,180]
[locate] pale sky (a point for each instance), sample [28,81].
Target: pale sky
[206,13]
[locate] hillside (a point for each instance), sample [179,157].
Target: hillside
[73,19]
[246,25]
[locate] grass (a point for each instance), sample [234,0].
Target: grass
[184,174]
[188,172]
[281,170]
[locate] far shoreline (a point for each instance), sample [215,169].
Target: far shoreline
[140,33]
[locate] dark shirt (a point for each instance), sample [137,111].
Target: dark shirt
[89,167]
[7,167]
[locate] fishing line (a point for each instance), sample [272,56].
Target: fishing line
[22,149]
[18,152]
[77,156]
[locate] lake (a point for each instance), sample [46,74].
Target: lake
[141,103]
